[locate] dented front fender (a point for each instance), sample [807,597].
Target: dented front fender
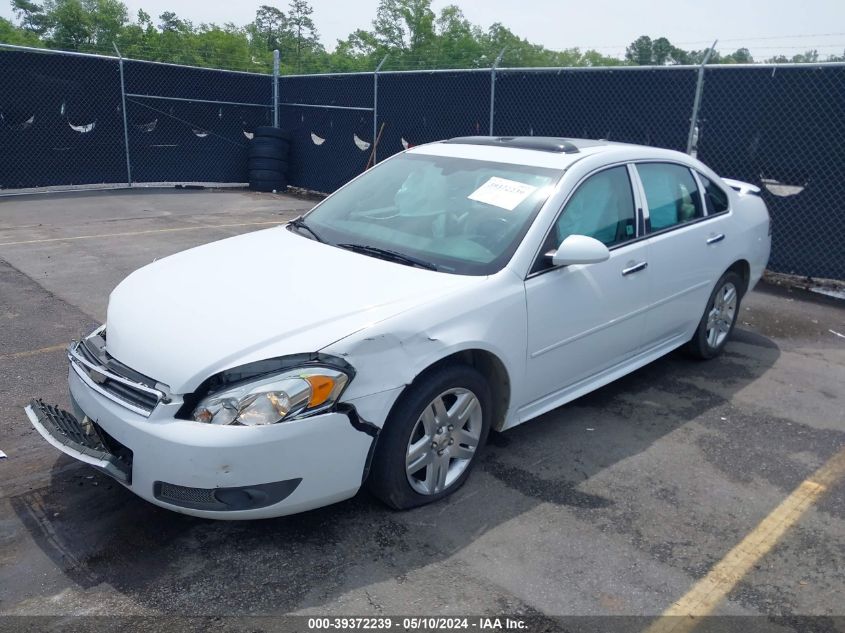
[389,355]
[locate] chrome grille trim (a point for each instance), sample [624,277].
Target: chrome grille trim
[97,377]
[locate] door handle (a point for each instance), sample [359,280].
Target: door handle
[635,268]
[716,238]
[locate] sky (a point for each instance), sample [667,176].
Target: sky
[767,28]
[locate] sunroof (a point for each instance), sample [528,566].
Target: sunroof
[539,143]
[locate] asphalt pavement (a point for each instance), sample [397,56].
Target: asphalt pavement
[619,503]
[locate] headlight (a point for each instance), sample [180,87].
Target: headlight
[285,396]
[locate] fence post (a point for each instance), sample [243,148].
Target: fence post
[493,89]
[276,88]
[375,109]
[692,138]
[125,125]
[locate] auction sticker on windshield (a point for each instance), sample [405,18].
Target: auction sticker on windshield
[503,193]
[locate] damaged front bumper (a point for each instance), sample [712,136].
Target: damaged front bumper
[83,440]
[222,472]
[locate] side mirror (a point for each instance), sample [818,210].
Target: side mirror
[579,249]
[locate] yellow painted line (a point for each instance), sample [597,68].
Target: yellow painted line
[33,352]
[173,230]
[708,592]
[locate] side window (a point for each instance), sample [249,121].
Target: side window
[715,198]
[602,207]
[672,194]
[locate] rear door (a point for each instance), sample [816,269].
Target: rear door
[686,254]
[584,319]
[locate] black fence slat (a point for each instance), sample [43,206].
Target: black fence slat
[60,121]
[781,127]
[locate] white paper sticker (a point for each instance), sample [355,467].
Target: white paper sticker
[503,193]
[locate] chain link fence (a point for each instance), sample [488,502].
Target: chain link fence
[330,118]
[192,124]
[783,129]
[60,123]
[75,119]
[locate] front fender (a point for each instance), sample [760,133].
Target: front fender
[389,355]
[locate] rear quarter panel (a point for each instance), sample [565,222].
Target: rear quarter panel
[751,225]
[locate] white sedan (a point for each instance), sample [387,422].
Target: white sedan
[458,287]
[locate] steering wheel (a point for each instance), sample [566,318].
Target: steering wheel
[491,232]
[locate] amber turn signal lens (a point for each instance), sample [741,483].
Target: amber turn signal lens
[321,389]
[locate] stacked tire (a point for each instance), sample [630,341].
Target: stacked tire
[268,159]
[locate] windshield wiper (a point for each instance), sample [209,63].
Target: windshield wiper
[393,256]
[299,223]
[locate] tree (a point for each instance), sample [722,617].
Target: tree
[360,44]
[388,27]
[269,26]
[70,24]
[144,19]
[661,52]
[221,45]
[169,22]
[107,19]
[11,34]
[639,52]
[301,26]
[658,52]
[459,41]
[409,31]
[31,16]
[404,25]
[83,24]
[739,56]
[594,58]
[808,57]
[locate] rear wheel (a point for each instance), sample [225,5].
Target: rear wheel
[432,438]
[719,317]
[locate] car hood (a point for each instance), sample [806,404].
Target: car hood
[261,295]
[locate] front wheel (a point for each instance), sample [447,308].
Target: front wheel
[719,318]
[432,438]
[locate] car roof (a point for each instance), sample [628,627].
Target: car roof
[542,151]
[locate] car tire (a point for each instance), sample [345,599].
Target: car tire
[278,185]
[265,174]
[274,148]
[417,424]
[271,164]
[717,322]
[265,131]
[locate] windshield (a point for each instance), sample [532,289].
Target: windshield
[452,214]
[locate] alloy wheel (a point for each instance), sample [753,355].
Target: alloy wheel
[444,441]
[721,316]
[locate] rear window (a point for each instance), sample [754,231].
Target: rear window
[672,194]
[715,198]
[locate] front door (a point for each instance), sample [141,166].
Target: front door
[586,319]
